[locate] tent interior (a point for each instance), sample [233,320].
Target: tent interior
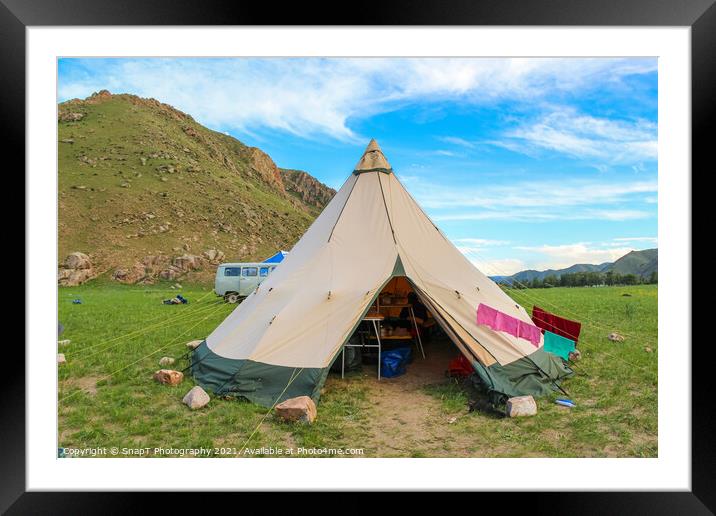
[430,354]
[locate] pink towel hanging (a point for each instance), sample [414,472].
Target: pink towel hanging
[500,321]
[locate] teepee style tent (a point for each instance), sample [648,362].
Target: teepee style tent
[281,341]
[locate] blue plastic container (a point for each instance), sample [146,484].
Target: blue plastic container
[393,362]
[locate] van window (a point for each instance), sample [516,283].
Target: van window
[232,271]
[249,271]
[264,271]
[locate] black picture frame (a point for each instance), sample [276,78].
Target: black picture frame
[700,15]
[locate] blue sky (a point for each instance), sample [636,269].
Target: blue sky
[523,163]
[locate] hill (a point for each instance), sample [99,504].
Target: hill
[641,263]
[307,189]
[531,274]
[145,192]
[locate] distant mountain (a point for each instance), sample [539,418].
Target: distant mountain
[145,191]
[640,263]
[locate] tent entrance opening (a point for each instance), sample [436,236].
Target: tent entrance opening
[397,329]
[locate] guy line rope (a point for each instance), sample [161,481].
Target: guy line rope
[216,310]
[194,309]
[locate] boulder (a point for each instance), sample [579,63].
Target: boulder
[213,255]
[575,356]
[77,269]
[187,262]
[521,406]
[301,409]
[169,274]
[615,337]
[77,260]
[61,358]
[193,344]
[69,116]
[196,398]
[154,261]
[165,361]
[131,275]
[168,377]
[74,277]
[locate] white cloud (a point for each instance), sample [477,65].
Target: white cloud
[481,242]
[651,240]
[469,246]
[566,131]
[455,140]
[311,97]
[560,256]
[498,267]
[442,152]
[543,257]
[534,201]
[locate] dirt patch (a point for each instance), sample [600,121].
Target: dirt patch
[87,384]
[405,420]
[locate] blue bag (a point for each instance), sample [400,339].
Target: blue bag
[392,363]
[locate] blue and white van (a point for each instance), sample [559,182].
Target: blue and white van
[235,281]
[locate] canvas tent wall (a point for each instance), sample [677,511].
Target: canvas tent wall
[281,341]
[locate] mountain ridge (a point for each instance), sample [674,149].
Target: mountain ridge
[640,263]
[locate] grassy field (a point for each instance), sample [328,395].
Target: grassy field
[107,397]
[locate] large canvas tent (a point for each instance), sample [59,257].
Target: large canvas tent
[281,341]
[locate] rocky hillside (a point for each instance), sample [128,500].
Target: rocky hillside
[145,192]
[307,189]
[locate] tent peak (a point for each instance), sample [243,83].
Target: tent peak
[373,160]
[373,146]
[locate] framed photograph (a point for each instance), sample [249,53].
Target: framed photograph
[443,247]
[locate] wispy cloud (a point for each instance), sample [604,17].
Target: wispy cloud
[566,131]
[534,201]
[320,97]
[497,267]
[560,256]
[650,240]
[481,242]
[470,246]
[543,257]
[455,140]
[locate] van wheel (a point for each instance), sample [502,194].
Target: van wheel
[232,298]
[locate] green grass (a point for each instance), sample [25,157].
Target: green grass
[108,398]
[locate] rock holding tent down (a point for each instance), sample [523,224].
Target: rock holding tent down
[165,361]
[520,406]
[615,337]
[196,398]
[193,344]
[168,377]
[301,409]
[61,358]
[63,342]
